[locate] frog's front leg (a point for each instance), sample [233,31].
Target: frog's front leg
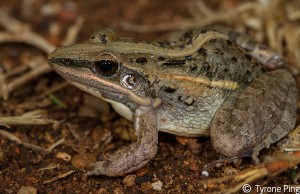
[137,154]
[255,116]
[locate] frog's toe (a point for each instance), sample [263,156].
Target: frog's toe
[100,168]
[275,61]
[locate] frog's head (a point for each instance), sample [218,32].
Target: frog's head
[96,68]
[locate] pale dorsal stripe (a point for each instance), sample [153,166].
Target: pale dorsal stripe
[130,47]
[226,84]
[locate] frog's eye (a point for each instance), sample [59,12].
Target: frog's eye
[131,81]
[105,67]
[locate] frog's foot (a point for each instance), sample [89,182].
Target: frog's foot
[267,57]
[260,52]
[126,160]
[254,117]
[137,154]
[221,161]
[100,167]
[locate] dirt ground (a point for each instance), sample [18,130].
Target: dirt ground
[90,133]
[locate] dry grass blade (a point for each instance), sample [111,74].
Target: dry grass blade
[31,118]
[73,31]
[223,16]
[20,32]
[17,140]
[20,120]
[54,89]
[39,70]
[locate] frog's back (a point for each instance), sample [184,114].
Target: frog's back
[214,59]
[192,88]
[217,59]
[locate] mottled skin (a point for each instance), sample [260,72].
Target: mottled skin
[209,82]
[258,124]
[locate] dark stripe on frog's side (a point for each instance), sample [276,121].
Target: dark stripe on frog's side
[161,58]
[174,63]
[202,52]
[71,62]
[189,57]
[164,44]
[141,60]
[169,89]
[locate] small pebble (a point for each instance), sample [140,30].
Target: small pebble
[118,190]
[205,173]
[78,161]
[102,191]
[182,140]
[1,156]
[142,171]
[146,186]
[64,156]
[129,180]
[157,186]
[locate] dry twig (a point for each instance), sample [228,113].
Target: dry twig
[225,16]
[19,32]
[29,118]
[60,176]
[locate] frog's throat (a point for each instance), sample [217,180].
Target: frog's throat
[120,108]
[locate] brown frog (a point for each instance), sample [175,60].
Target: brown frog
[211,81]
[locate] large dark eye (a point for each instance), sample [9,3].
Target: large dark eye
[131,81]
[105,67]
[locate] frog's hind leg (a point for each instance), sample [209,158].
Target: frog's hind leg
[286,124]
[255,116]
[260,52]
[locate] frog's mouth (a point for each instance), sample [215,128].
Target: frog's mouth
[86,80]
[81,81]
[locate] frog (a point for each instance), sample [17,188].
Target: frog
[211,81]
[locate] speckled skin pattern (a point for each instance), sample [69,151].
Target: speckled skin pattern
[212,81]
[188,108]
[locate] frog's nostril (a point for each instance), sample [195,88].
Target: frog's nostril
[59,61]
